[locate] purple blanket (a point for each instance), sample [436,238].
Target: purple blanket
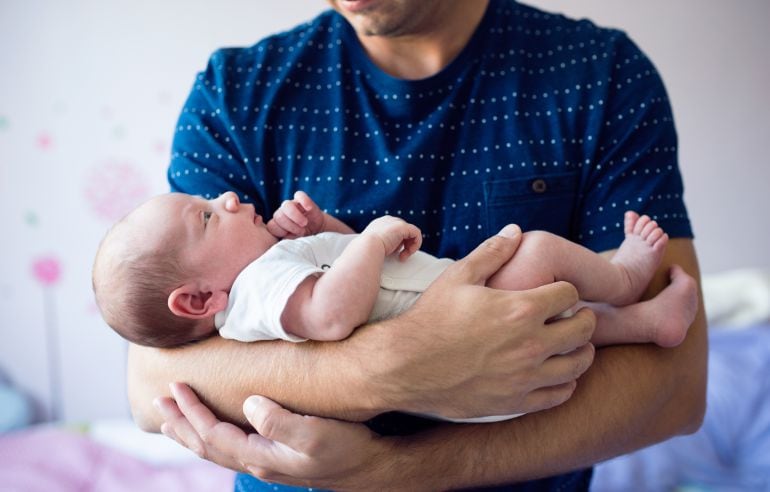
[731,452]
[52,460]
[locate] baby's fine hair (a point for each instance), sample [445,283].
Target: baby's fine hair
[132,292]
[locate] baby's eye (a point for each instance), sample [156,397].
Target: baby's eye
[206,217]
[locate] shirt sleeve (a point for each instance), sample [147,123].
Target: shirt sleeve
[634,163]
[205,157]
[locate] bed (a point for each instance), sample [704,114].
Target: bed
[731,451]
[104,456]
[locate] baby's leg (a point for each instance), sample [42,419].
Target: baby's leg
[543,258]
[663,320]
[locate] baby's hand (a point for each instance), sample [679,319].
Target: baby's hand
[397,235]
[296,218]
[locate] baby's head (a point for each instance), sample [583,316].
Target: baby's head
[163,271]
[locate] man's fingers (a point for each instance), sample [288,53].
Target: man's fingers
[274,422]
[554,299]
[549,397]
[213,435]
[488,257]
[177,427]
[191,406]
[564,368]
[198,415]
[566,334]
[556,380]
[170,412]
[168,431]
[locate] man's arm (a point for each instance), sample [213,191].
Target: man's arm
[631,397]
[516,364]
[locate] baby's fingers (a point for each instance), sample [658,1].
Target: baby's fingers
[293,211]
[304,201]
[275,229]
[411,243]
[281,226]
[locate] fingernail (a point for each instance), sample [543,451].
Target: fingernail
[156,403]
[511,230]
[250,405]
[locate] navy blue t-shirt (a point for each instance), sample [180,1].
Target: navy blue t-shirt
[543,121]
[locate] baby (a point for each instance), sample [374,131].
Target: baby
[180,268]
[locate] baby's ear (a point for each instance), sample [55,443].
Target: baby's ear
[188,301]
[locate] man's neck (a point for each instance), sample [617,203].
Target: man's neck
[425,53]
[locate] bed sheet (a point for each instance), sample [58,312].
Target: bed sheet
[731,452]
[53,459]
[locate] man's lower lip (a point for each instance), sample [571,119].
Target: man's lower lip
[354,6]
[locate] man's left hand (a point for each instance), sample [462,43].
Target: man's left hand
[287,448]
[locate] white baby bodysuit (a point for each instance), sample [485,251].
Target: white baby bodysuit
[261,291]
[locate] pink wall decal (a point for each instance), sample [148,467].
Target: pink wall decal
[44,141]
[114,188]
[46,270]
[160,146]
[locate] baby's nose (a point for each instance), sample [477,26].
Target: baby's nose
[231,201]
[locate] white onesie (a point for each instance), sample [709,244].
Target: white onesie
[261,291]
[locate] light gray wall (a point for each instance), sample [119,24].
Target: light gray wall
[92,85]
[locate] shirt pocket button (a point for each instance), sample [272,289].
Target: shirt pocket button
[539,186]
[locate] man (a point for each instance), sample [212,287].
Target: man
[461,116]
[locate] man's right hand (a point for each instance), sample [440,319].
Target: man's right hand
[465,350]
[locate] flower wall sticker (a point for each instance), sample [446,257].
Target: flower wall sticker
[44,141]
[114,188]
[47,271]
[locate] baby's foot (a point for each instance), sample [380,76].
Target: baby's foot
[638,256]
[675,308]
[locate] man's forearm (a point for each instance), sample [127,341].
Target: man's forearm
[599,422]
[325,379]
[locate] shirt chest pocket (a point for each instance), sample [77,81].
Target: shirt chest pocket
[545,202]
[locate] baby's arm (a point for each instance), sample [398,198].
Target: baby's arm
[331,306]
[301,217]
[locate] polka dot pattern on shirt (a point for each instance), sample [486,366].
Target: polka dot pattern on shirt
[532,95]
